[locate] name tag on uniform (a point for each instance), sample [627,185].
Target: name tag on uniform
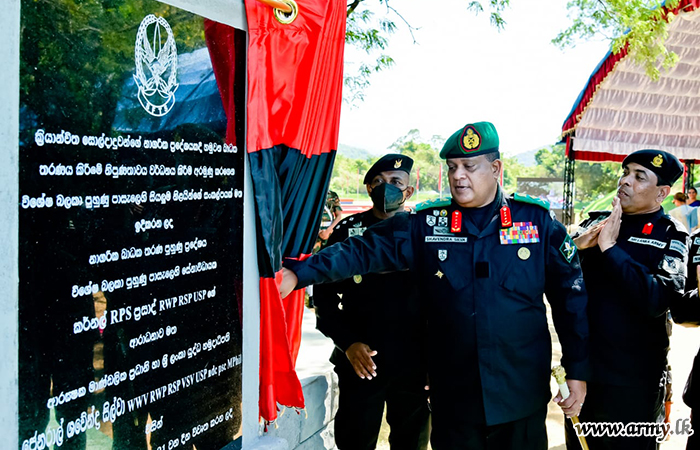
[520,233]
[645,241]
[458,240]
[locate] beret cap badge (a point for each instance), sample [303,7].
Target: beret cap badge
[471,140]
[658,160]
[397,164]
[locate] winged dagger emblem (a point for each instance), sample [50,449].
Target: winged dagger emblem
[156,66]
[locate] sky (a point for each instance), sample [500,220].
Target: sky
[463,70]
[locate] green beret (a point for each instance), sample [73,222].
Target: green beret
[392,161]
[473,139]
[667,167]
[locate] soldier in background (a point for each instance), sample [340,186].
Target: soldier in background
[634,266]
[378,329]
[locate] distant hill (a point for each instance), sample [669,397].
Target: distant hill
[527,159]
[354,152]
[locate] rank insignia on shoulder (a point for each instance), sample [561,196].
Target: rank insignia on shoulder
[568,248]
[434,203]
[520,233]
[532,200]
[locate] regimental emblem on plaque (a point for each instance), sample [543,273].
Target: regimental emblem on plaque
[156,65]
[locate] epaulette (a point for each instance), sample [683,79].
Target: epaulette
[532,200]
[677,225]
[434,203]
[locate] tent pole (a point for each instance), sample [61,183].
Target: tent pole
[688,178]
[569,172]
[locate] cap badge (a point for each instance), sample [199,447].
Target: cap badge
[471,140]
[398,163]
[657,161]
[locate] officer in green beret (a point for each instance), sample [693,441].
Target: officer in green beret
[378,328]
[634,266]
[483,262]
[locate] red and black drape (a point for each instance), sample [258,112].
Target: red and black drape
[295,75]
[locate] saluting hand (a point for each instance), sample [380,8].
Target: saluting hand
[360,356]
[289,282]
[574,403]
[611,230]
[589,238]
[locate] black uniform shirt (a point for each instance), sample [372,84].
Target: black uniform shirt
[380,310]
[630,288]
[686,311]
[489,342]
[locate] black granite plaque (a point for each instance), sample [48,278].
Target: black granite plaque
[131,218]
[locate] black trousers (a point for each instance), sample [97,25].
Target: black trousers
[616,404]
[361,407]
[452,433]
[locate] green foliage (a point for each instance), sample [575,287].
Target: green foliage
[76,54]
[426,158]
[348,173]
[369,33]
[593,180]
[496,7]
[639,24]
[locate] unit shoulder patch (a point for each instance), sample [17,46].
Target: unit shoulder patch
[532,200]
[435,203]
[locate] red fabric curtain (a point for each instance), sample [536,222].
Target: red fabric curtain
[295,75]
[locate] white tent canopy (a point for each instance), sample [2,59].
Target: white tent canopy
[622,110]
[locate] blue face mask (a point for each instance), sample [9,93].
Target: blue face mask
[387,197]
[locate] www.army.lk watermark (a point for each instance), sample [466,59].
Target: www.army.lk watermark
[634,429]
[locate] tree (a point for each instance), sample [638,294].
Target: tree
[74,57]
[426,158]
[593,180]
